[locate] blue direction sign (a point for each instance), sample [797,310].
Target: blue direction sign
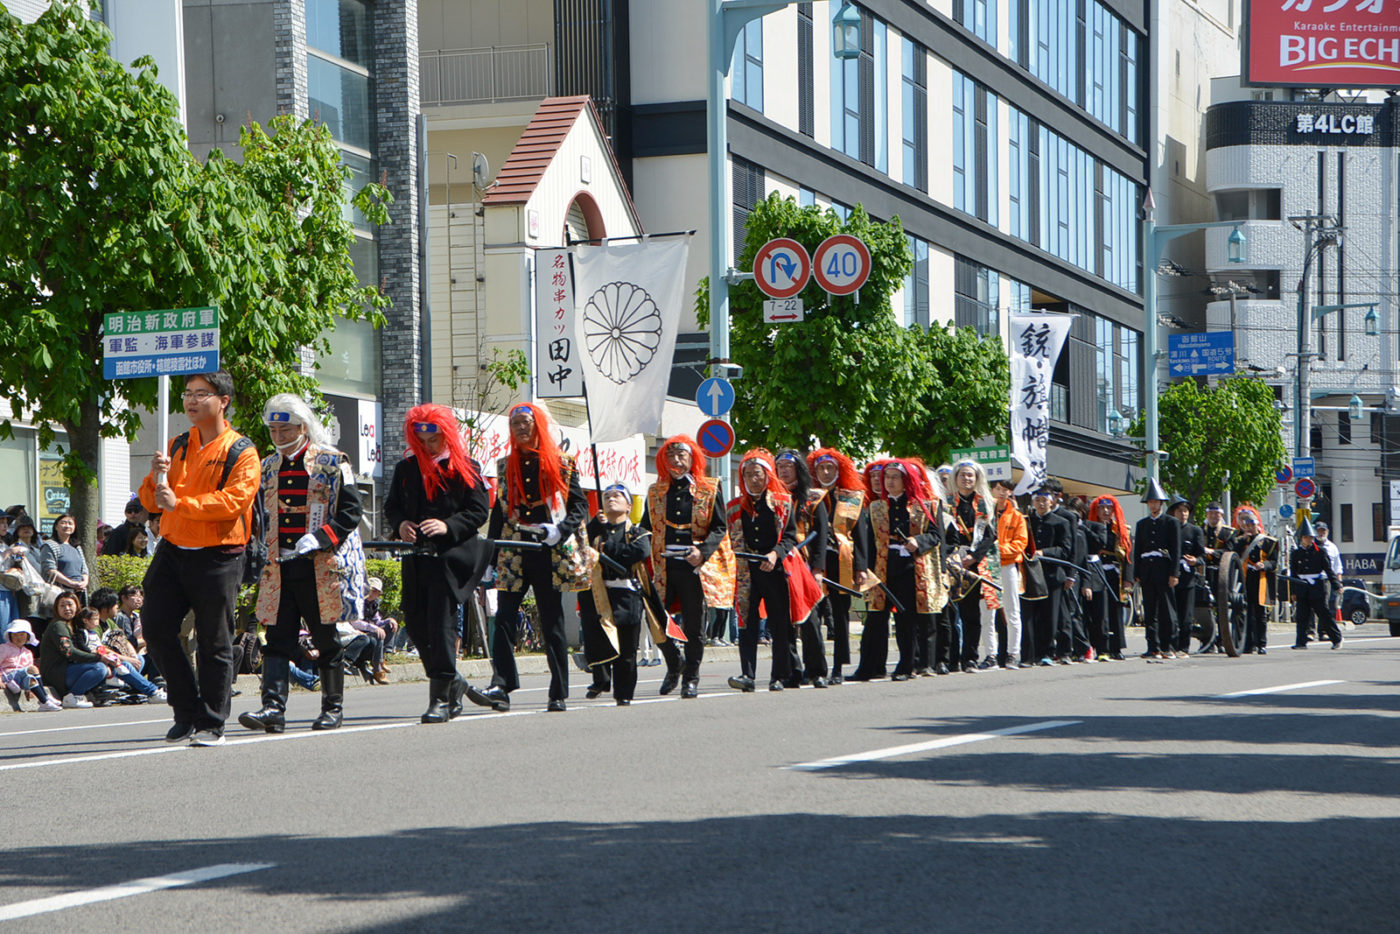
[716,438]
[715,396]
[1209,354]
[1304,467]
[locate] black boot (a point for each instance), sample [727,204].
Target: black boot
[438,706]
[332,697]
[272,718]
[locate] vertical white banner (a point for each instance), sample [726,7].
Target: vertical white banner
[630,300]
[557,371]
[1036,341]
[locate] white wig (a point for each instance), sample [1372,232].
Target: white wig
[285,407]
[980,488]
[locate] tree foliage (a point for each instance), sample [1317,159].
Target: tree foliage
[103,208]
[849,375]
[1234,427]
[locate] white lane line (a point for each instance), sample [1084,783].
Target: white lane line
[85,726]
[944,743]
[1280,688]
[106,893]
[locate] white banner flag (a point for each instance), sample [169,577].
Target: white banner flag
[628,300]
[557,373]
[1036,341]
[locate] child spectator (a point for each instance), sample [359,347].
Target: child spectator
[121,661]
[17,668]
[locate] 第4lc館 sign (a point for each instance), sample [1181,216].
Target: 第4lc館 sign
[1323,43]
[168,342]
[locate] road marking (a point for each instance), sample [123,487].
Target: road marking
[106,893]
[943,743]
[1280,688]
[85,726]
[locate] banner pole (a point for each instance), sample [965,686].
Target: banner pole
[163,406]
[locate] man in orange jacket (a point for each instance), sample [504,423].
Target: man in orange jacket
[199,563]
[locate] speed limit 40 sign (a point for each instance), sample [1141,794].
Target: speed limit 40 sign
[841,264]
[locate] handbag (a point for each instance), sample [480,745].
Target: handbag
[1033,584]
[12,579]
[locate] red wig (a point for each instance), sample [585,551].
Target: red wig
[915,480]
[847,477]
[697,460]
[458,464]
[871,469]
[552,483]
[765,459]
[1120,525]
[1243,508]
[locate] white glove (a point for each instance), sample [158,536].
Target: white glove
[902,551]
[551,534]
[307,544]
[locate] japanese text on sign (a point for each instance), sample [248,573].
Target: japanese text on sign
[1036,340]
[557,370]
[159,343]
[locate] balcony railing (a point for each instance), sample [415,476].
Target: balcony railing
[485,75]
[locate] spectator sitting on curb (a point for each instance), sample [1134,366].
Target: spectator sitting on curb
[17,668]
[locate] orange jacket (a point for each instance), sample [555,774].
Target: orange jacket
[206,516]
[1012,537]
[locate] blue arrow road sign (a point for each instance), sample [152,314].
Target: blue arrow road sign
[1208,354]
[715,396]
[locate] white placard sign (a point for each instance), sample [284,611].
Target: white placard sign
[557,371]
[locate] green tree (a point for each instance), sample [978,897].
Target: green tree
[1234,427]
[103,208]
[849,375]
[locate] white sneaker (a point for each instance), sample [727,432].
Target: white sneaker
[73,700]
[207,738]
[51,704]
[159,695]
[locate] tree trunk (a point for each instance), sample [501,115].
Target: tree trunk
[85,444]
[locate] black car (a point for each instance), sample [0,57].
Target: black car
[1356,606]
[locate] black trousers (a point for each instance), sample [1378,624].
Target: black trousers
[1071,637]
[771,588]
[430,614]
[839,606]
[1184,598]
[1044,623]
[538,574]
[206,581]
[874,646]
[946,649]
[619,673]
[1313,600]
[298,602]
[970,612]
[813,647]
[683,587]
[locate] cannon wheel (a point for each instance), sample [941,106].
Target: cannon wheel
[1231,611]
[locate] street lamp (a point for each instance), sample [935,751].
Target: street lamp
[845,32]
[1355,408]
[1115,422]
[727,18]
[1235,246]
[1154,239]
[1373,324]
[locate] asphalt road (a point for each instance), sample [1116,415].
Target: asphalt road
[1126,796]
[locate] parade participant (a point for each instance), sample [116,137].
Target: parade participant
[1192,568]
[1011,545]
[318,576]
[1108,607]
[539,502]
[1091,585]
[905,546]
[970,539]
[762,520]
[1050,537]
[1156,560]
[1072,640]
[611,611]
[437,501]
[846,497]
[1334,558]
[812,519]
[1259,553]
[875,634]
[1310,583]
[692,565]
[1217,535]
[204,485]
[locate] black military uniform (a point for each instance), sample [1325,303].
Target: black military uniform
[1258,586]
[1097,607]
[625,545]
[683,581]
[1193,545]
[1156,560]
[536,573]
[1311,581]
[1218,539]
[1050,537]
[762,535]
[1071,638]
[440,574]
